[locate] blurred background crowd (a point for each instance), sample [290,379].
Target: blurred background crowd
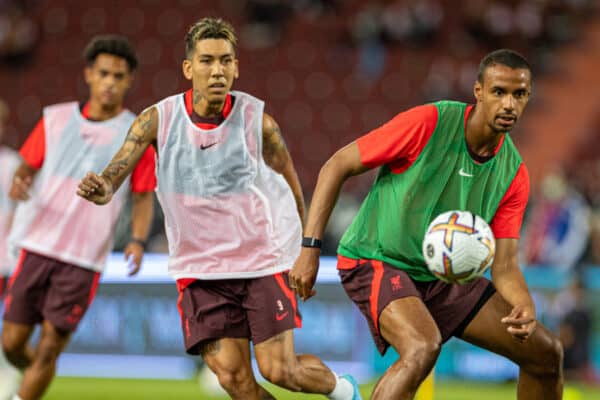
[331,70]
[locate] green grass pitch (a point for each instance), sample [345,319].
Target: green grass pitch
[129,389]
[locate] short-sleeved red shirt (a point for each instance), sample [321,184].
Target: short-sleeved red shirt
[33,152]
[399,142]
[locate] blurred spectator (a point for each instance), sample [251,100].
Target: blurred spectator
[367,34]
[575,332]
[267,20]
[586,172]
[19,32]
[558,225]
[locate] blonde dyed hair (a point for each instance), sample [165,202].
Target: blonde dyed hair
[209,28]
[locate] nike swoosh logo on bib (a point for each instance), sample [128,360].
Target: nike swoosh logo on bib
[204,147]
[461,172]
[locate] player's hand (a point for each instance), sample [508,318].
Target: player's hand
[304,273]
[521,322]
[95,188]
[19,190]
[134,252]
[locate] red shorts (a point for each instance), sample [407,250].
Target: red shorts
[42,288]
[256,308]
[373,284]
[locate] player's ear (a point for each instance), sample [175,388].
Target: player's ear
[130,78]
[477,90]
[87,74]
[186,67]
[236,73]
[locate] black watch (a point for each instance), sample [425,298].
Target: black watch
[311,242]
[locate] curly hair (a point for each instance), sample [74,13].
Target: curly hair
[110,44]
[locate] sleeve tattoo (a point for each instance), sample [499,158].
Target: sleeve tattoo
[274,149]
[137,140]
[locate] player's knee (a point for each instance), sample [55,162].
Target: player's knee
[12,350]
[47,351]
[553,358]
[422,354]
[278,373]
[550,361]
[235,381]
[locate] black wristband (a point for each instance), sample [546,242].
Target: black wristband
[139,241]
[311,242]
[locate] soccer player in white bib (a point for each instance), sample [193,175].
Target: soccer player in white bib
[233,207]
[9,161]
[65,240]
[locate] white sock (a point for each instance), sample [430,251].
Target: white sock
[10,379]
[343,389]
[16,397]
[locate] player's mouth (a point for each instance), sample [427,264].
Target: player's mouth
[506,120]
[217,87]
[107,94]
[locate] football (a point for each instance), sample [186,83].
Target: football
[458,246]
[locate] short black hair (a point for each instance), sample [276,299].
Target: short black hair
[507,57]
[115,45]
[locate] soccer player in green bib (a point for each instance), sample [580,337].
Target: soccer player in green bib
[435,158]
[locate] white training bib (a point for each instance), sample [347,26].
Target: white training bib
[58,223]
[227,214]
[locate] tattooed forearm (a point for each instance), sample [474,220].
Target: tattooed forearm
[141,134]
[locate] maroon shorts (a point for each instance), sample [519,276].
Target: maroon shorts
[255,308]
[3,282]
[373,284]
[43,288]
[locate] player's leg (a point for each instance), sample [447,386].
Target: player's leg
[229,359]
[70,290]
[539,358]
[279,364]
[214,325]
[40,373]
[391,303]
[22,311]
[15,344]
[407,326]
[10,376]
[272,314]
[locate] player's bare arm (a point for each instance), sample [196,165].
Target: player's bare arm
[142,213]
[276,155]
[21,183]
[342,165]
[510,283]
[100,188]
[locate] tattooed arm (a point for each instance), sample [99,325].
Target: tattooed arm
[276,156]
[100,188]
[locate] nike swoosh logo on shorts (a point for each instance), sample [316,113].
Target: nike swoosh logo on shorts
[279,317]
[461,172]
